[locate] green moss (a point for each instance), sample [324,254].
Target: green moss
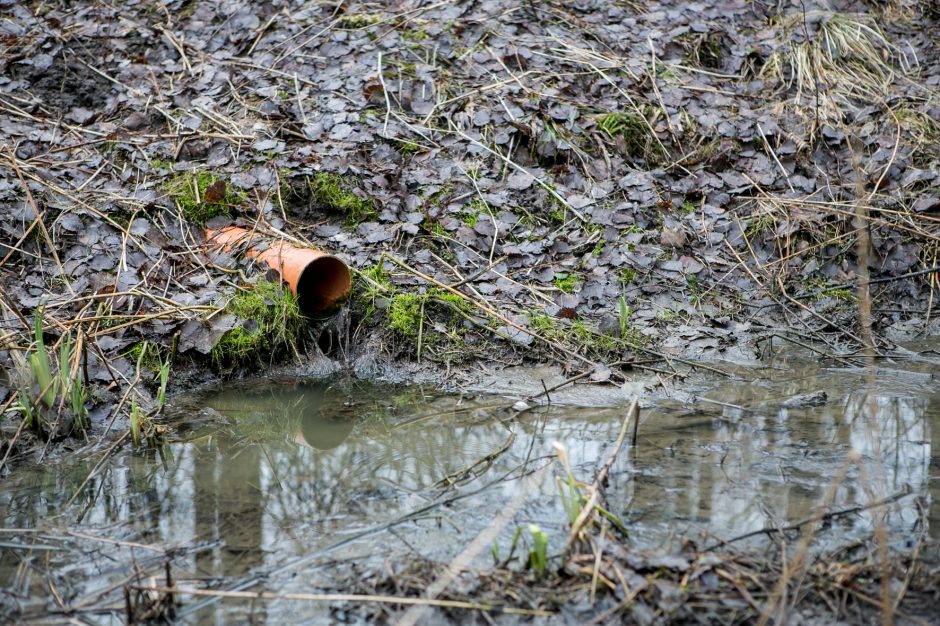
[695,295]
[333,191]
[357,20]
[435,315]
[434,227]
[455,302]
[404,313]
[542,324]
[406,310]
[161,164]
[371,284]
[580,336]
[375,280]
[626,275]
[416,35]
[409,148]
[188,190]
[820,288]
[584,336]
[566,282]
[558,214]
[270,322]
[471,216]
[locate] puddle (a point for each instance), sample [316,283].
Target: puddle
[295,485]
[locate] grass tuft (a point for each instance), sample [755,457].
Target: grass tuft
[636,133]
[848,58]
[53,387]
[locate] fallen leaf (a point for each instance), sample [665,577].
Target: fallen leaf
[215,192]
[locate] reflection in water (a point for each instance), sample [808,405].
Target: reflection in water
[323,432]
[278,471]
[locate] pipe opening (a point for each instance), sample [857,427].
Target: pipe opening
[323,285]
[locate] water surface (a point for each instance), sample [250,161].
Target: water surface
[293,485]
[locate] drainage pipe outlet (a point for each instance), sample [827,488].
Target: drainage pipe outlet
[320,281]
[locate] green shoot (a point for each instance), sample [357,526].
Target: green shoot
[164,379]
[571,498]
[26,408]
[538,555]
[623,316]
[39,364]
[48,389]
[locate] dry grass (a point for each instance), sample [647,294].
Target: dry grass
[845,61]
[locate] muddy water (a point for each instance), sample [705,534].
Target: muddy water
[294,486]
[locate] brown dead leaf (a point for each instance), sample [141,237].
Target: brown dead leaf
[215,192]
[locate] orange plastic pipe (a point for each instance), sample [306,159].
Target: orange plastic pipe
[319,280]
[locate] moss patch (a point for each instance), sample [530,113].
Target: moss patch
[161,164]
[371,284]
[626,275]
[270,323]
[566,282]
[358,20]
[334,192]
[405,312]
[578,335]
[202,196]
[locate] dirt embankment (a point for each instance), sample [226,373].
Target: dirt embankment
[590,183]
